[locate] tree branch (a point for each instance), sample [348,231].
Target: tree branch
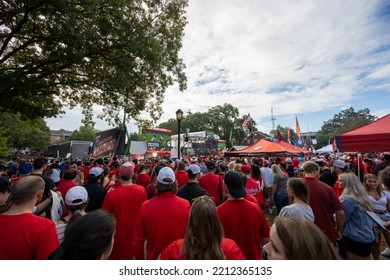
[19,26]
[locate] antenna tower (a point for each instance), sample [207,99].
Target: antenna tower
[272,118]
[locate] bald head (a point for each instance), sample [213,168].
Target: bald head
[25,189]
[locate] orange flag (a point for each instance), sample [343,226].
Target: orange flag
[297,128]
[289,135]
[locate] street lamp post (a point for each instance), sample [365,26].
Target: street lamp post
[179,117]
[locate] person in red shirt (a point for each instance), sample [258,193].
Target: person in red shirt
[253,187]
[222,170]
[324,203]
[86,169]
[124,202]
[137,166]
[338,167]
[242,220]
[181,175]
[69,181]
[162,219]
[151,188]
[204,238]
[369,166]
[295,162]
[143,178]
[212,183]
[23,235]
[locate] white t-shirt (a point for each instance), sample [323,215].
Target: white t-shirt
[380,204]
[268,176]
[297,210]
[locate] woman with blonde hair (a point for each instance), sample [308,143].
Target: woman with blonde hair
[279,188]
[237,168]
[380,199]
[293,238]
[358,233]
[204,238]
[231,165]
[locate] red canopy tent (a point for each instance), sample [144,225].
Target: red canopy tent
[374,137]
[265,148]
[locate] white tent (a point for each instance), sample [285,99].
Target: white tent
[326,149]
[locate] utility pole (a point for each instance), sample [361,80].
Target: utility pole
[273,119]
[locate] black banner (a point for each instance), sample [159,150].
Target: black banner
[109,143]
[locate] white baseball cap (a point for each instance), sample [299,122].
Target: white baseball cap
[96,171]
[76,196]
[166,176]
[195,169]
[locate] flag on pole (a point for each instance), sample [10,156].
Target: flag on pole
[280,136]
[246,121]
[297,128]
[289,135]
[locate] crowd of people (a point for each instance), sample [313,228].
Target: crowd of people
[195,208]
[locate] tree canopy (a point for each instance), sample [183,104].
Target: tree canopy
[119,54]
[342,122]
[223,120]
[33,134]
[84,133]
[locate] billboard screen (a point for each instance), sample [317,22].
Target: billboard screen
[157,138]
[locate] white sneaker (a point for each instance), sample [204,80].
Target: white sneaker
[271,210]
[386,252]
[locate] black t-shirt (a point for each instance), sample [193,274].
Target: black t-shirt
[190,191]
[96,195]
[327,177]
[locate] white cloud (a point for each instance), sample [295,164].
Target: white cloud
[382,72]
[295,56]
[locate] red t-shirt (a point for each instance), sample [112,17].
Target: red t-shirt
[124,202]
[295,162]
[253,188]
[27,237]
[245,223]
[114,186]
[86,173]
[324,202]
[212,184]
[161,220]
[143,180]
[369,169]
[337,189]
[181,178]
[65,185]
[151,190]
[229,247]
[251,198]
[136,168]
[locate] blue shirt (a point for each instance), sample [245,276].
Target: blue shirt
[358,225]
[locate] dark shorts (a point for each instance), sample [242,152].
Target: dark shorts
[358,248]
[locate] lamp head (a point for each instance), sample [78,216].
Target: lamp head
[179,115]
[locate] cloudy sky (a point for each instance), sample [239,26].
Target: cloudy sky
[304,58]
